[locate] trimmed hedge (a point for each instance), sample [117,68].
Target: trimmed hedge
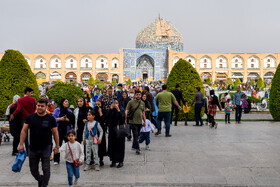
[65,90]
[274,98]
[15,76]
[187,77]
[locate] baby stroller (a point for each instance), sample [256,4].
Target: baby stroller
[4,131]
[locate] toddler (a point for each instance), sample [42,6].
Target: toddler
[145,133]
[227,110]
[186,110]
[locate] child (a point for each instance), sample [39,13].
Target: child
[77,154]
[145,133]
[227,109]
[91,140]
[186,110]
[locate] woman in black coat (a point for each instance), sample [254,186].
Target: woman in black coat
[100,117]
[116,147]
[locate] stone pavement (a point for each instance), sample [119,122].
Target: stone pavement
[244,154]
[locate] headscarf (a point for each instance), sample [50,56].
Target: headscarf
[63,111]
[15,98]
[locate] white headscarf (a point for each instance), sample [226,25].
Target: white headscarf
[15,99]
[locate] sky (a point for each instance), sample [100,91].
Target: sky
[107,26]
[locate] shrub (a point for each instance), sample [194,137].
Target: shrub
[15,76]
[128,82]
[90,81]
[65,90]
[114,82]
[237,82]
[274,97]
[260,83]
[187,77]
[208,81]
[229,81]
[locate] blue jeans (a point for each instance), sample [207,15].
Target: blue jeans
[166,116]
[145,136]
[71,170]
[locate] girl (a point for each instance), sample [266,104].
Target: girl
[91,140]
[212,106]
[73,151]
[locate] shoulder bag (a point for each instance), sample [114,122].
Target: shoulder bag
[130,114]
[75,162]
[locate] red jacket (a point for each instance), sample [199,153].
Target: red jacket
[26,105]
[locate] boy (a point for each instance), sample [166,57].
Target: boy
[186,110]
[73,151]
[227,109]
[145,133]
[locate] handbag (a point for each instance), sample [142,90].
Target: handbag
[75,162]
[130,114]
[19,161]
[122,131]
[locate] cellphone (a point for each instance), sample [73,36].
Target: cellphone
[114,102]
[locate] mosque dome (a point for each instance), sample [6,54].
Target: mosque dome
[160,34]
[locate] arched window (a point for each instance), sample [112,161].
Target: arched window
[40,62]
[102,62]
[253,62]
[70,62]
[115,63]
[191,60]
[237,62]
[269,62]
[55,62]
[221,62]
[86,62]
[205,62]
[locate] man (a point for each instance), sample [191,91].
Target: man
[199,100]
[165,100]
[179,97]
[150,97]
[138,108]
[41,127]
[237,104]
[119,92]
[25,106]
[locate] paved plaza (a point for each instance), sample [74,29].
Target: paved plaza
[244,154]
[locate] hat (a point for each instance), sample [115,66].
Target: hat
[227,91]
[71,107]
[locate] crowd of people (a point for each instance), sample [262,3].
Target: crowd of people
[82,133]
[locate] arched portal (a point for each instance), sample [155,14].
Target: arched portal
[145,67]
[204,76]
[40,77]
[116,77]
[102,76]
[221,77]
[268,77]
[71,77]
[85,76]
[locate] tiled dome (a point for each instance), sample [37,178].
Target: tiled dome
[160,35]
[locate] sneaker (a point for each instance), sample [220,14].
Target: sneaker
[97,168]
[55,163]
[168,135]
[216,125]
[158,133]
[138,152]
[87,168]
[75,181]
[148,148]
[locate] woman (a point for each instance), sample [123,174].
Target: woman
[148,107]
[124,100]
[80,118]
[65,120]
[116,146]
[15,124]
[212,109]
[99,117]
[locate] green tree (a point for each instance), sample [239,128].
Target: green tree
[274,97]
[114,82]
[260,83]
[90,81]
[237,82]
[229,81]
[128,82]
[15,76]
[65,90]
[187,77]
[208,81]
[253,83]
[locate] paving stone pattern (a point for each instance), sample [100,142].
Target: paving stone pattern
[244,154]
